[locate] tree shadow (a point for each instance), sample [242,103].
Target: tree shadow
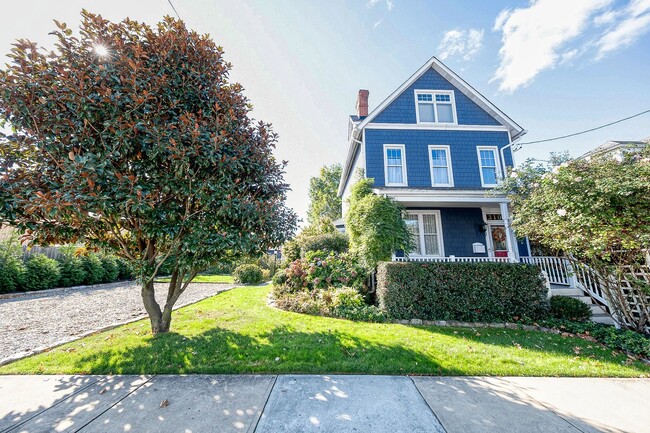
[572,348]
[281,349]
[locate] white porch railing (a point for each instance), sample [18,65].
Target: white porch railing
[453,259]
[558,269]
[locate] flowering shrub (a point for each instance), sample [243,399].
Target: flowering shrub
[320,270]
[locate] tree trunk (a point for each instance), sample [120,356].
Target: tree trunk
[161,319]
[153,309]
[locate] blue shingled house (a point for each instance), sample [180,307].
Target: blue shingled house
[438,146]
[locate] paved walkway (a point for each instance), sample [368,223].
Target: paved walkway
[296,403]
[34,321]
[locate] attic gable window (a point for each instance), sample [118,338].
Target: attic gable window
[435,106]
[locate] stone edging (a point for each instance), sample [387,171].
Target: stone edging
[64,289]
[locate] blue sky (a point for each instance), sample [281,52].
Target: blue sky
[554,66]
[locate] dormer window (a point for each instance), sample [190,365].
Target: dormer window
[435,106]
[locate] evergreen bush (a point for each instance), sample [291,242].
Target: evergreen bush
[469,292]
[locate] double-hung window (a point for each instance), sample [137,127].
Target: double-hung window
[488,159]
[435,106]
[440,163]
[426,233]
[395,165]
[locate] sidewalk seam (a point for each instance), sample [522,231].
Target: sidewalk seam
[427,403]
[115,404]
[13,427]
[254,425]
[544,405]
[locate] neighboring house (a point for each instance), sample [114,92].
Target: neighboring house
[617,148]
[439,147]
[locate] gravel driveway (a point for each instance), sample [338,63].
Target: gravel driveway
[39,320]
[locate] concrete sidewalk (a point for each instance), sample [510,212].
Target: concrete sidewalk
[303,403]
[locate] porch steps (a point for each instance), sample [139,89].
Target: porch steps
[599,315]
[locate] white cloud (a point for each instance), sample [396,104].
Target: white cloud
[389,4]
[464,43]
[377,24]
[634,22]
[534,37]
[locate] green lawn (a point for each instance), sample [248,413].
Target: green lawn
[228,279]
[237,332]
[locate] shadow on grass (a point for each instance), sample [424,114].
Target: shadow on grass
[541,342]
[280,350]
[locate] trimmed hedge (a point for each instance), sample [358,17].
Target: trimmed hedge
[563,307]
[72,271]
[469,292]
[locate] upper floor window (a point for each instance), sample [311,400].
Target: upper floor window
[489,165]
[435,107]
[395,164]
[440,162]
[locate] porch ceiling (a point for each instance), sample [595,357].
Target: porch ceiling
[443,198]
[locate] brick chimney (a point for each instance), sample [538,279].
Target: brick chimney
[362,103]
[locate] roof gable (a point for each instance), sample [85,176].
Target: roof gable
[439,75]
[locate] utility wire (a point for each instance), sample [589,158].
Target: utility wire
[175,11]
[585,131]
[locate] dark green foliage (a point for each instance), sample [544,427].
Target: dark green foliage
[94,270]
[335,243]
[375,225]
[279,278]
[41,272]
[72,269]
[248,274]
[563,307]
[618,339]
[111,271]
[225,267]
[470,292]
[12,268]
[125,271]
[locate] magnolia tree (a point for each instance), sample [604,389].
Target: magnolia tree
[133,139]
[597,210]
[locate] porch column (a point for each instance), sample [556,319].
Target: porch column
[513,251]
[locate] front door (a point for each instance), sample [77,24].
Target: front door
[499,240]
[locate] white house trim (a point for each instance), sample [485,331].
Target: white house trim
[441,196]
[460,84]
[401,147]
[437,127]
[450,171]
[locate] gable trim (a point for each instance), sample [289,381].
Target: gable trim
[514,128]
[437,127]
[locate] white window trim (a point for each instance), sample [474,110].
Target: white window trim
[495,149]
[450,171]
[441,243]
[435,108]
[403,149]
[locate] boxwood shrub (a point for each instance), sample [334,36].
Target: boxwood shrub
[72,271]
[564,307]
[94,269]
[470,292]
[248,274]
[41,272]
